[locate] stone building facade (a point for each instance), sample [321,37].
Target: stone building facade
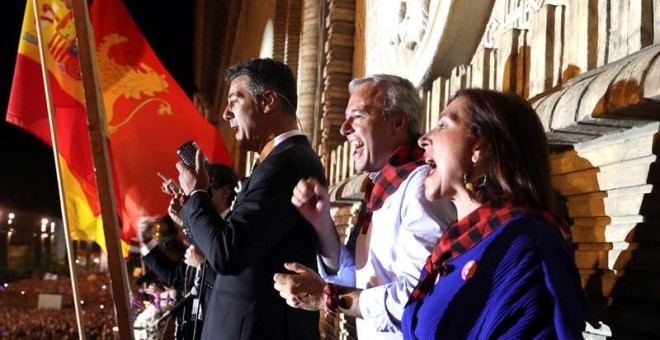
[591,69]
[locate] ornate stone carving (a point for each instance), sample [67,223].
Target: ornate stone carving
[417,38]
[492,34]
[518,13]
[411,25]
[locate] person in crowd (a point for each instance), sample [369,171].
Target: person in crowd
[397,227]
[186,275]
[263,229]
[504,269]
[182,273]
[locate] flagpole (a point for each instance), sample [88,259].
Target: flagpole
[58,170]
[96,124]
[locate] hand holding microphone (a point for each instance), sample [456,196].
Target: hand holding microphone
[180,304]
[192,175]
[193,257]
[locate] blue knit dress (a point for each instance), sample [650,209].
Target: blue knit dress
[525,286]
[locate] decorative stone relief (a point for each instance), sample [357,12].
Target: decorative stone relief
[518,13]
[417,38]
[411,25]
[512,14]
[492,34]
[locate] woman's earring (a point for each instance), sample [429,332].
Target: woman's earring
[483,182]
[480,184]
[468,185]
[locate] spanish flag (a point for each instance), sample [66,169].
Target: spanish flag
[147,114]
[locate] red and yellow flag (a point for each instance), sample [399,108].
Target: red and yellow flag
[147,114]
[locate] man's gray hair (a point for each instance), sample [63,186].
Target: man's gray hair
[402,97]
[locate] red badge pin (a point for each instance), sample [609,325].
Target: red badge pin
[469,269]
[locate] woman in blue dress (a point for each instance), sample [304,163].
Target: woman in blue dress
[504,269]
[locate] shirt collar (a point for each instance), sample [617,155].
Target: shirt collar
[276,141]
[401,163]
[402,155]
[281,138]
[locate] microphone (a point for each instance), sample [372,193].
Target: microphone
[184,301]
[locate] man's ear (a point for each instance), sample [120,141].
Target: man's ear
[400,122]
[267,101]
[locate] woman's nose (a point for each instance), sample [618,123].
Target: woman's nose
[423,141]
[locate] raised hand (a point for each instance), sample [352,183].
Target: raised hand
[313,203]
[173,210]
[170,186]
[146,227]
[311,199]
[304,289]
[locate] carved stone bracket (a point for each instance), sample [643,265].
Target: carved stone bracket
[608,99]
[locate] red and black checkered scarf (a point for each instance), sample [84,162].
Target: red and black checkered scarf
[402,162]
[462,235]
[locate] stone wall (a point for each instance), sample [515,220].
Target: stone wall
[607,184]
[591,69]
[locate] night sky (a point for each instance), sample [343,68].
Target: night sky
[27,170]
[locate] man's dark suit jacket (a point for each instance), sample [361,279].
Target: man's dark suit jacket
[263,231]
[173,273]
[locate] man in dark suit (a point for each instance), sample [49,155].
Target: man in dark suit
[264,229]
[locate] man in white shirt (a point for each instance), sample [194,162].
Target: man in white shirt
[382,122]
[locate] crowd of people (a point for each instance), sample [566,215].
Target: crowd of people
[20,317]
[31,323]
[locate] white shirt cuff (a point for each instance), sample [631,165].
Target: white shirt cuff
[147,247]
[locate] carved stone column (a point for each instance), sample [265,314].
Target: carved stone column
[286,41]
[337,72]
[309,69]
[292,51]
[279,37]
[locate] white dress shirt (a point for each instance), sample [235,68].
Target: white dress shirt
[284,136]
[390,257]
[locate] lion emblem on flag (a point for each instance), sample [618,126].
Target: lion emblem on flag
[135,82]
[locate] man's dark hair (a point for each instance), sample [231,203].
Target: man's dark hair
[221,175]
[267,74]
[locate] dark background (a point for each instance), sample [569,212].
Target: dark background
[27,170]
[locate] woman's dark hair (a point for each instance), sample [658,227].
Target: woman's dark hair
[515,155]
